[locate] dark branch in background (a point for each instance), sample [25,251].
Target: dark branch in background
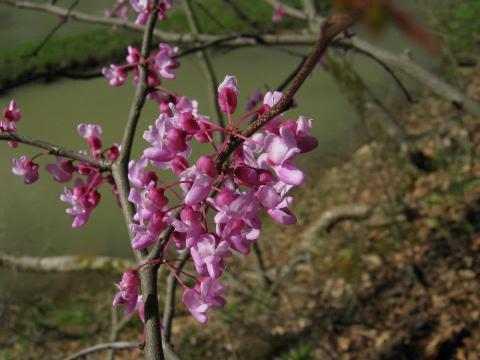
[52,32]
[390,71]
[209,15]
[243,16]
[56,150]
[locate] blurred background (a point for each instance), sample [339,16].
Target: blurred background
[384,261]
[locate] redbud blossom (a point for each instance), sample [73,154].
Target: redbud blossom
[26,168]
[227,94]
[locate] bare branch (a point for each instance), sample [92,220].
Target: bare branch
[56,150]
[65,263]
[52,32]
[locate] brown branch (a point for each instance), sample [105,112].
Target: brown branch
[328,34]
[420,74]
[56,150]
[65,263]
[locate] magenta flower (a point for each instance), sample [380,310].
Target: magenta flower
[62,170]
[115,74]
[83,199]
[201,184]
[199,299]
[92,133]
[164,61]
[145,7]
[280,151]
[277,207]
[120,10]
[278,13]
[128,292]
[227,94]
[190,224]
[26,168]
[10,116]
[208,255]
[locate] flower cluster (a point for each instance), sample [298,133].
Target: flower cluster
[84,196]
[143,8]
[160,64]
[260,177]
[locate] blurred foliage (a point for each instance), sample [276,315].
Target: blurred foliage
[303,351]
[463,25]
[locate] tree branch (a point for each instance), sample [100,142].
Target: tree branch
[148,274]
[56,150]
[328,34]
[52,32]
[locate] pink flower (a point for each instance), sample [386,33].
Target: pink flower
[208,255]
[120,10]
[92,133]
[201,176]
[115,74]
[83,200]
[199,299]
[26,168]
[145,7]
[164,61]
[62,171]
[138,175]
[227,94]
[278,13]
[277,207]
[128,292]
[10,116]
[190,224]
[280,151]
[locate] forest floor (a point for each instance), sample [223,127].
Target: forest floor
[383,265]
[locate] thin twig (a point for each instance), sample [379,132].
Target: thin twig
[56,150]
[52,32]
[169,305]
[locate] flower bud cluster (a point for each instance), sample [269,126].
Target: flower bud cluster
[259,177]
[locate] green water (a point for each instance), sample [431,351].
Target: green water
[33,219]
